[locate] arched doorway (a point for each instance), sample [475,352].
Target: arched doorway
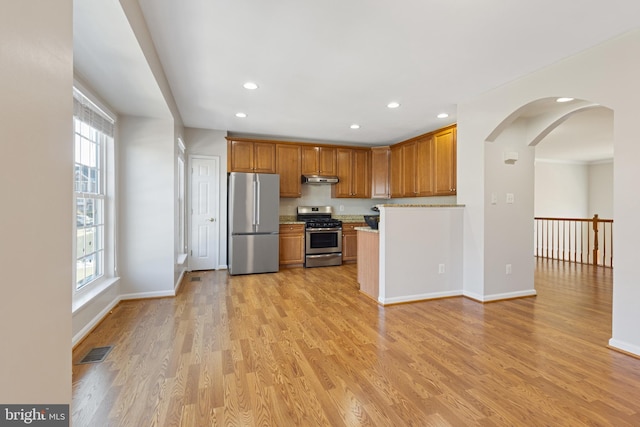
[554,148]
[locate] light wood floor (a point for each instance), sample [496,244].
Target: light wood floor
[304,347]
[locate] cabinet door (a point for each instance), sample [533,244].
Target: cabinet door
[343,169]
[264,157]
[409,173]
[380,173]
[326,161]
[444,148]
[424,166]
[360,174]
[396,174]
[291,244]
[350,241]
[309,160]
[241,155]
[288,166]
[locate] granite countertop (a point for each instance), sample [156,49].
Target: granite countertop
[400,205]
[289,219]
[349,218]
[367,229]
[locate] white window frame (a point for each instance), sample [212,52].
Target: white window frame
[106,196]
[182,209]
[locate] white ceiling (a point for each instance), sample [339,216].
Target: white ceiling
[324,65]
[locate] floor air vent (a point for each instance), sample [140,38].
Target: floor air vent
[96,355]
[195,279]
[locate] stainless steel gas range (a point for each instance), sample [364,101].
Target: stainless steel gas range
[323,236]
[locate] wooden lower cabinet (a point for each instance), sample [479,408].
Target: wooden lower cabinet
[350,241]
[291,244]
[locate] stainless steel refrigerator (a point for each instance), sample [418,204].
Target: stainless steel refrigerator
[254,221]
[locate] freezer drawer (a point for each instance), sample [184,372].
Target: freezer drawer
[253,253]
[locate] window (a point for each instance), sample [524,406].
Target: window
[93,134]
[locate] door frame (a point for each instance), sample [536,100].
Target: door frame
[216,160]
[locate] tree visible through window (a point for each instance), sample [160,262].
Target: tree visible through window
[92,131]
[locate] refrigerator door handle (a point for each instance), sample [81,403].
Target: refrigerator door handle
[253,213]
[258,203]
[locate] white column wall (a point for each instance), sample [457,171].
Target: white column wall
[588,76]
[146,207]
[36,81]
[508,226]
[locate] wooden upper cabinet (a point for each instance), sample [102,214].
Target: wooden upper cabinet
[288,166]
[424,169]
[264,157]
[380,172]
[318,160]
[354,173]
[396,171]
[409,161]
[424,166]
[250,156]
[444,152]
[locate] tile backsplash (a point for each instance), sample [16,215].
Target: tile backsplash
[320,195]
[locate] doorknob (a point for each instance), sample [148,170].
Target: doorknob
[211,219]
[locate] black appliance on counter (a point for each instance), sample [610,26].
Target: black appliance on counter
[323,236]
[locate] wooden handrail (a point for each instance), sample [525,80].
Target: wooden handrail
[569,239]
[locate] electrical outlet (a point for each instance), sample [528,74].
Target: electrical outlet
[440,268]
[508,269]
[341,208]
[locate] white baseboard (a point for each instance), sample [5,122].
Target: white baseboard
[499,297]
[624,346]
[419,297]
[178,283]
[94,322]
[143,295]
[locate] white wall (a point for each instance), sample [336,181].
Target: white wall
[584,76]
[510,239]
[146,207]
[414,241]
[601,189]
[574,190]
[36,80]
[562,189]
[209,142]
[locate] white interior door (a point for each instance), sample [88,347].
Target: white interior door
[205,213]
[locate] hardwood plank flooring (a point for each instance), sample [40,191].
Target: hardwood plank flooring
[305,347]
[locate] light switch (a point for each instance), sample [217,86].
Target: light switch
[494,198]
[510,198]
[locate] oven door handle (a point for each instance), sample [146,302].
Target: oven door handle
[325,229]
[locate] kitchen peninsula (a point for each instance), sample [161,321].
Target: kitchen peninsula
[416,253]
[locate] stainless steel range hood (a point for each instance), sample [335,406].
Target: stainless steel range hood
[319,179]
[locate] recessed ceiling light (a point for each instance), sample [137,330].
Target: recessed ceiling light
[355,126]
[241,115]
[442,115]
[393,105]
[250,85]
[564,99]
